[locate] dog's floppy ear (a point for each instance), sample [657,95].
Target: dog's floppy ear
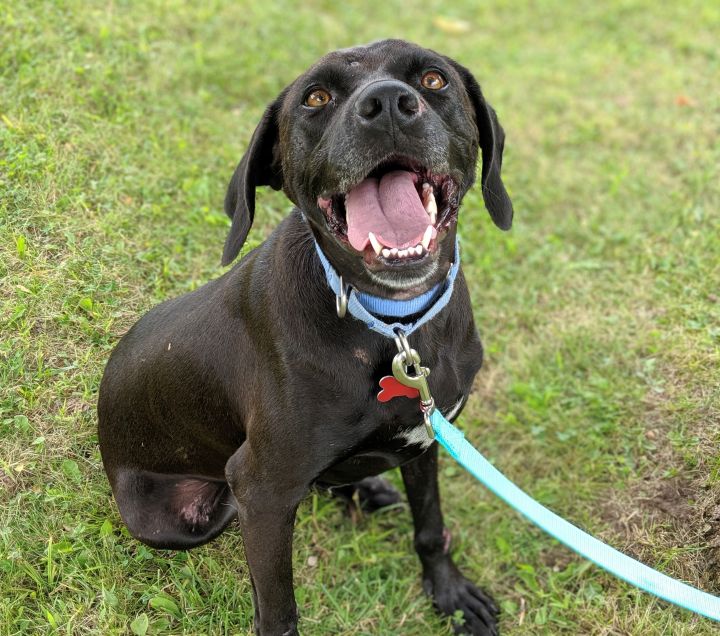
[492,141]
[260,166]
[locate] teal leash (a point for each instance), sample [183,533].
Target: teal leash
[454,442]
[610,559]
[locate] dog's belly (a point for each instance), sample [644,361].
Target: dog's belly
[373,462]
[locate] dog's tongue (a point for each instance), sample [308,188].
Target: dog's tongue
[390,209]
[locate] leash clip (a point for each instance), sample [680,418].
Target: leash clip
[405,358]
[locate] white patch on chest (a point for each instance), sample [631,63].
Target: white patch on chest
[415,436]
[418,436]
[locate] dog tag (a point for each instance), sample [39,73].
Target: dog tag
[391,388]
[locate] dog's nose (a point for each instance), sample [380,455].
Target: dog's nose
[381,103]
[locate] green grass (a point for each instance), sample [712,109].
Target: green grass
[120,125]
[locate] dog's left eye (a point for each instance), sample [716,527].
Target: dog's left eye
[318,98]
[433,80]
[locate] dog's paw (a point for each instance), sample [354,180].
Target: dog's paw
[473,611]
[369,494]
[375,492]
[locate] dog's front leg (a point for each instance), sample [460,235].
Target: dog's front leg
[442,580]
[267,495]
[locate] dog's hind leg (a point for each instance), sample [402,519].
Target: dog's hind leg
[173,511]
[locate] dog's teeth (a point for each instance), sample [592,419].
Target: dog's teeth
[394,252]
[425,194]
[418,249]
[375,243]
[427,237]
[431,207]
[402,253]
[386,253]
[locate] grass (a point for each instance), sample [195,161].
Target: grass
[120,124]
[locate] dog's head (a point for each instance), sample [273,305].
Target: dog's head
[377,145]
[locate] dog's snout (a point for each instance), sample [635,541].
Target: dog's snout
[384,102]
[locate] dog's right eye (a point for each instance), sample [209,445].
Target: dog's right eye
[317,98]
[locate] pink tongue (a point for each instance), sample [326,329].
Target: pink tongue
[391,209]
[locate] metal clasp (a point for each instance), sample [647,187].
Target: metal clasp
[407,357]
[341,300]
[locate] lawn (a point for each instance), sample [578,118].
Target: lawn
[120,125]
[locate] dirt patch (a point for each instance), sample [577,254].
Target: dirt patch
[557,558]
[711,534]
[669,498]
[671,516]
[8,486]
[671,522]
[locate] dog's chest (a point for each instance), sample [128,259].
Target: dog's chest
[396,437]
[380,425]
[416,437]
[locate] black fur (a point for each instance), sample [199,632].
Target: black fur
[236,399]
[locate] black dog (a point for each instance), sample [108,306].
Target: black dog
[235,399]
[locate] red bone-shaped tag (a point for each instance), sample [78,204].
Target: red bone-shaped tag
[391,388]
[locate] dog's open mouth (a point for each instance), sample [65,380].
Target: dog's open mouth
[396,215]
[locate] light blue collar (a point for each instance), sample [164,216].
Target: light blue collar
[367,308]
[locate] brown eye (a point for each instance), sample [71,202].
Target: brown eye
[433,80]
[317,98]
